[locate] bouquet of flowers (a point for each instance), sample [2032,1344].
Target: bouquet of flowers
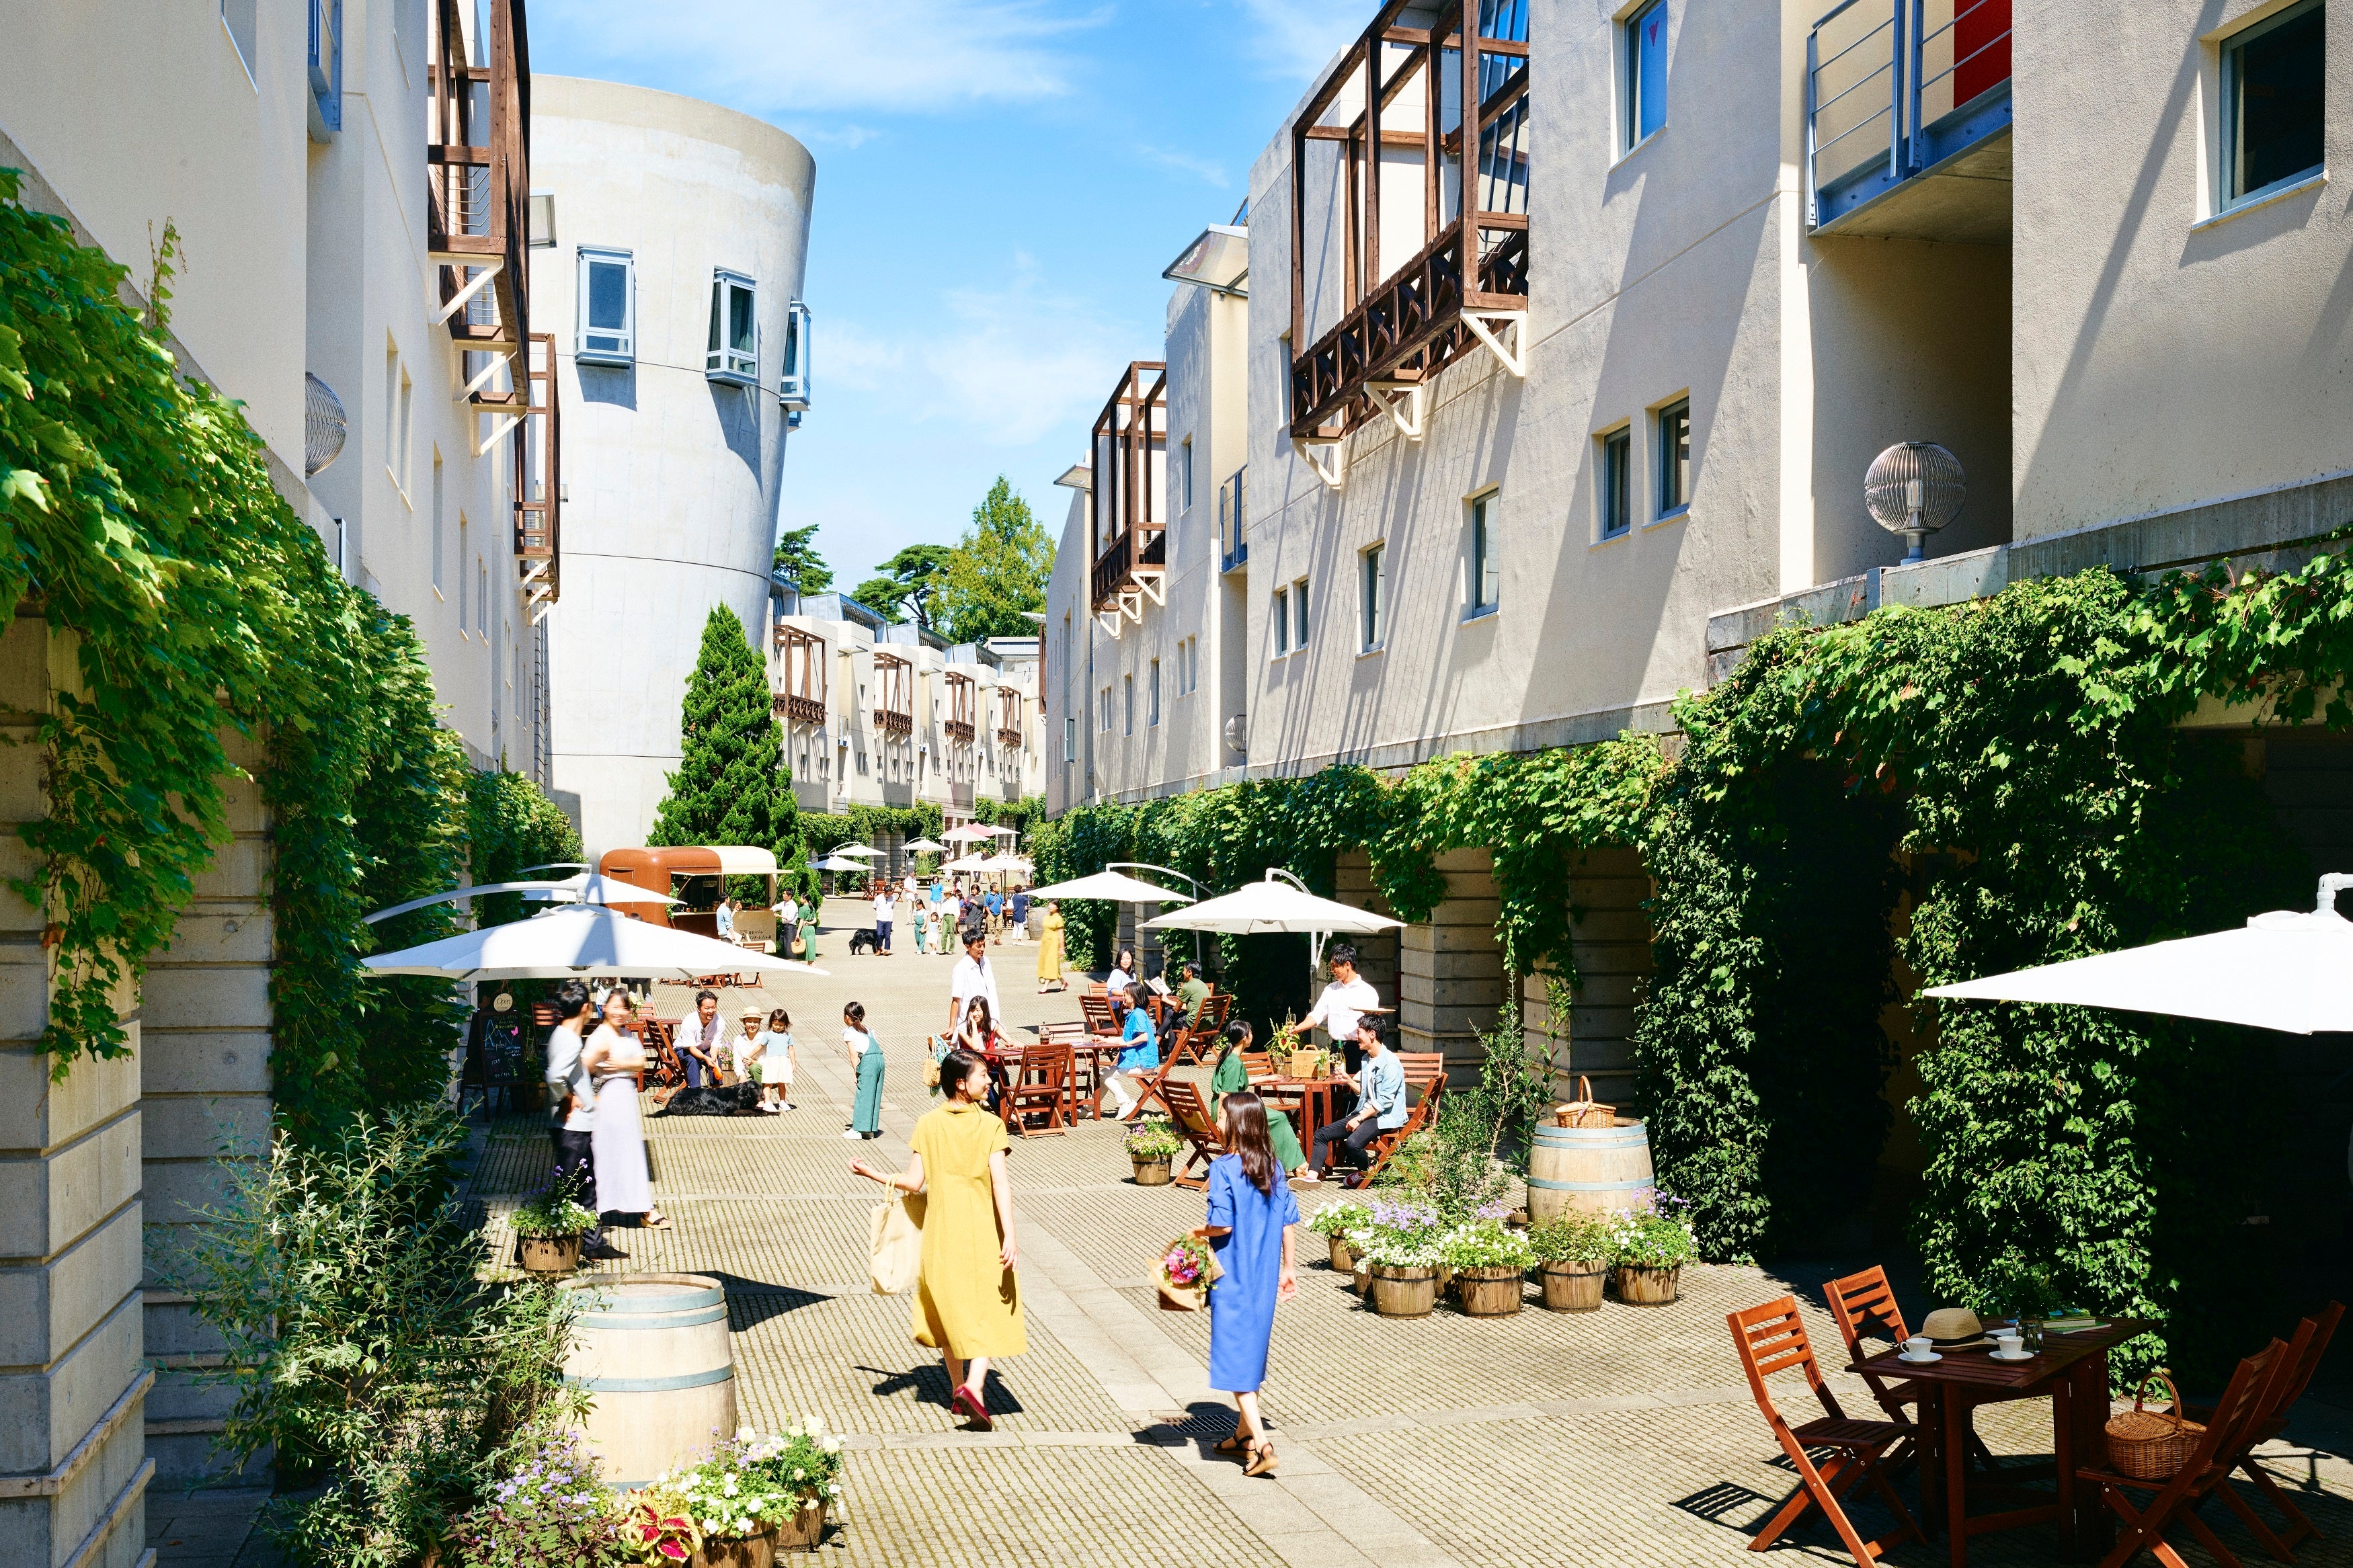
[1188,1267]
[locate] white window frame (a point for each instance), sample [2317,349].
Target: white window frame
[1618,439]
[1278,620]
[2228,56]
[1631,134]
[1298,614]
[1372,588]
[1127,704]
[1152,698]
[439,519]
[721,360]
[1483,579]
[792,383]
[622,350]
[1670,459]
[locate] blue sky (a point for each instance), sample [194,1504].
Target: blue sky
[999,183]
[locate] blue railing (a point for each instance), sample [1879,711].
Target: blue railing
[1894,87]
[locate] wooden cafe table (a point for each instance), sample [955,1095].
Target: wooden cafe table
[2072,1371]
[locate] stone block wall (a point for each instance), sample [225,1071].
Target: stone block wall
[1612,948]
[1450,982]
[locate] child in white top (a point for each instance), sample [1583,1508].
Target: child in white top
[773,1051]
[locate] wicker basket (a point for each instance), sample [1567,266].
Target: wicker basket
[1584,1110]
[2148,1445]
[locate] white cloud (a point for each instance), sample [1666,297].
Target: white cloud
[1185,162]
[1297,37]
[797,57]
[1018,363]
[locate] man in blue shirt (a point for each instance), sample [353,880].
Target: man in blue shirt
[1380,1101]
[1139,1053]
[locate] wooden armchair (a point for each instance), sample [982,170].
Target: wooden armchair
[1425,1084]
[1865,1304]
[1095,1008]
[1772,1338]
[2230,1434]
[1213,1011]
[1190,1116]
[1156,1082]
[1085,1084]
[1035,1098]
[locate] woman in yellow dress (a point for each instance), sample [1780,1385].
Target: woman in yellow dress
[1050,952]
[968,1301]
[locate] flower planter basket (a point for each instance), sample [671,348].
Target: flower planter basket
[1639,1287]
[1404,1292]
[1360,1276]
[1572,1287]
[803,1531]
[1344,1256]
[1152,1173]
[548,1256]
[1490,1292]
[738,1552]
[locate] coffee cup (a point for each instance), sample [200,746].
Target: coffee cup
[1919,1347]
[2009,1342]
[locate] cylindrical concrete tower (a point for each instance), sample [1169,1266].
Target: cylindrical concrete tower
[670,238]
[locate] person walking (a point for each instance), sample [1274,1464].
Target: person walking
[973,976]
[968,1301]
[775,1053]
[866,1061]
[1252,1212]
[922,923]
[571,1108]
[1018,914]
[613,1058]
[1232,1077]
[882,919]
[1050,952]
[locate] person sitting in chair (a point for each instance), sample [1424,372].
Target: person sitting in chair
[1184,1008]
[1380,1099]
[1139,1054]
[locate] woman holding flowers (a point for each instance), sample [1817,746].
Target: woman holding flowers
[967,1302]
[1251,1223]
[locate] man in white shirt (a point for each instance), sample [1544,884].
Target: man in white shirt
[882,918]
[1349,995]
[700,1038]
[571,1108]
[973,977]
[787,910]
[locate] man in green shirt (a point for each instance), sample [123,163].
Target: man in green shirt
[1184,1013]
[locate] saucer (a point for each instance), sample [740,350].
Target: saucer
[1998,1355]
[1917,1360]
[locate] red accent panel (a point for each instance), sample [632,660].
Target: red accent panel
[1980,46]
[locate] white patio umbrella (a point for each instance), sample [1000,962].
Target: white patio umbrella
[579,940]
[924,847]
[966,863]
[587,888]
[968,833]
[863,852]
[1276,905]
[1112,887]
[2289,970]
[1004,862]
[836,863]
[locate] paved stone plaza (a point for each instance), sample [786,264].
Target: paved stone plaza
[1623,1436]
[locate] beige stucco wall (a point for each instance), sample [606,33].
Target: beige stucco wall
[674,479]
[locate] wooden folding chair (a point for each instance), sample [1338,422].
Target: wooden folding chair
[1190,1116]
[1862,1304]
[1095,1008]
[2226,1439]
[1214,1012]
[1039,1087]
[2304,1352]
[664,1067]
[1178,1052]
[1772,1338]
[1425,1074]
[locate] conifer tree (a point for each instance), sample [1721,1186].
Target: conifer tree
[731,786]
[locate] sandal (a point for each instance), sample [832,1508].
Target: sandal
[964,1403]
[655,1222]
[1235,1444]
[1262,1461]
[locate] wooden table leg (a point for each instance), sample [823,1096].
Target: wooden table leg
[2095,1531]
[1929,1446]
[1955,1463]
[2062,1455]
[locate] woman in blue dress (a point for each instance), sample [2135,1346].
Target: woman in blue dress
[1252,1213]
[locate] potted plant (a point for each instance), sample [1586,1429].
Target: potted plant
[1399,1246]
[1152,1145]
[753,1497]
[1490,1265]
[549,1229]
[1648,1249]
[1572,1252]
[1333,1222]
[553,1510]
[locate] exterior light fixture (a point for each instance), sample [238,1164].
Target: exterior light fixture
[1914,488]
[323,426]
[1238,734]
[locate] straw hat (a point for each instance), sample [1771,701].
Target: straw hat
[1952,1326]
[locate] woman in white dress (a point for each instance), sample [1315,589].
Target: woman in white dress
[612,1059]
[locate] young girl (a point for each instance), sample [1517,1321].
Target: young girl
[866,1061]
[776,1058]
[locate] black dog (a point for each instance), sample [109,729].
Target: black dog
[865,941]
[735,1099]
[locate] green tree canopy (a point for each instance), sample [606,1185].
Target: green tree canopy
[732,785]
[999,569]
[908,581]
[797,558]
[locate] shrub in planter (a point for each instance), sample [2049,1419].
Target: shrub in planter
[1572,1252]
[1333,1222]
[1399,1242]
[1153,1144]
[550,1225]
[553,1510]
[1489,1263]
[753,1497]
[1649,1247]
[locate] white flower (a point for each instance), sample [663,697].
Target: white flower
[744,1434]
[794,1430]
[816,1425]
[743,1526]
[833,1488]
[709,1527]
[729,1489]
[799,1474]
[832,1445]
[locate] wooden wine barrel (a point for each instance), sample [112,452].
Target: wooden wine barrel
[653,1352]
[1597,1169]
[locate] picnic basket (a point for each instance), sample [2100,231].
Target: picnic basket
[2149,1445]
[1584,1110]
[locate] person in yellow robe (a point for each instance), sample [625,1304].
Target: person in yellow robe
[1050,952]
[967,1300]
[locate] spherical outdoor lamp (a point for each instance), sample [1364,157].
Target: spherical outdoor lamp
[1238,734]
[1914,488]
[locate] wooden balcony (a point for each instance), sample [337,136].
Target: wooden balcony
[894,713]
[1127,505]
[800,697]
[477,174]
[1009,717]
[958,723]
[539,474]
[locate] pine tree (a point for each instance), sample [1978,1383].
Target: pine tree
[732,786]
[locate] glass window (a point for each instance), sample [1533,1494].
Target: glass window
[1646,71]
[792,389]
[1299,614]
[1674,457]
[1188,473]
[1481,575]
[733,351]
[609,327]
[1152,695]
[543,220]
[1127,712]
[2272,81]
[1617,482]
[438,519]
[1374,572]
[1504,161]
[1277,622]
[1070,738]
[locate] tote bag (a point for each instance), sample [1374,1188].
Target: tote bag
[895,1243]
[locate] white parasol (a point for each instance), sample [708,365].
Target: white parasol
[924,847]
[2289,970]
[836,863]
[579,940]
[1112,888]
[966,863]
[587,888]
[1277,905]
[1004,862]
[968,833]
[863,852]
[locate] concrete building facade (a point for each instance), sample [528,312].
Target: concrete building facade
[673,236]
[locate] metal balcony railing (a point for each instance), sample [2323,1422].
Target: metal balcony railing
[1895,88]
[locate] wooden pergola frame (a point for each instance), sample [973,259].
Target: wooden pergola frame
[1467,284]
[894,694]
[1126,503]
[1009,717]
[801,697]
[958,723]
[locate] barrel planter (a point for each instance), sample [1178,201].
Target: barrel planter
[652,1352]
[1360,1276]
[1404,1292]
[1639,1287]
[803,1531]
[741,1552]
[1572,1287]
[1344,1256]
[1489,1292]
[1152,1173]
[551,1256]
[1598,1169]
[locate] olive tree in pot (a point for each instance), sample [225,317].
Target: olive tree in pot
[1572,1251]
[1153,1146]
[1648,1249]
